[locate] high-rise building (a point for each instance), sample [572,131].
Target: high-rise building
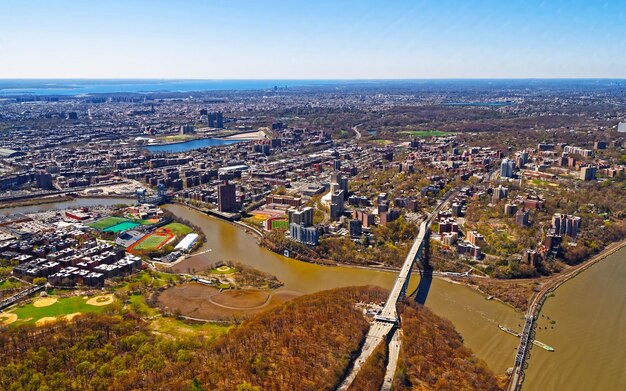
[338,182]
[367,219]
[337,164]
[499,193]
[302,234]
[356,228]
[475,238]
[226,198]
[510,209]
[216,120]
[301,217]
[566,225]
[506,168]
[587,173]
[187,129]
[522,218]
[44,180]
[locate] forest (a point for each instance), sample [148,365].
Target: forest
[304,344]
[432,356]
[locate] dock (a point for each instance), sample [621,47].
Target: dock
[534,341]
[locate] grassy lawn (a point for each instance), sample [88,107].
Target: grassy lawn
[177,328]
[150,243]
[178,229]
[139,305]
[428,133]
[178,138]
[29,314]
[107,222]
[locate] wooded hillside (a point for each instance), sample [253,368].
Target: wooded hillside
[433,357]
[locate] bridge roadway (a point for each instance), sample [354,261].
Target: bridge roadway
[389,312]
[388,319]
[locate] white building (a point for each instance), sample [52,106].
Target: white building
[187,243]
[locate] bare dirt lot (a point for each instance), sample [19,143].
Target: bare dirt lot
[205,302]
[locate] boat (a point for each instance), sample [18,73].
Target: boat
[508,330]
[543,345]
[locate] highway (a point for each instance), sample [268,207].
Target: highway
[392,362]
[377,333]
[388,318]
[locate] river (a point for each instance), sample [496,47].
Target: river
[474,317]
[589,336]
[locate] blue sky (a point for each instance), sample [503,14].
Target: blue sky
[260,39]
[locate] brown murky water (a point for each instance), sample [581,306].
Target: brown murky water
[590,311]
[589,333]
[474,317]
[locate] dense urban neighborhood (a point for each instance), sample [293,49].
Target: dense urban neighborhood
[135,203]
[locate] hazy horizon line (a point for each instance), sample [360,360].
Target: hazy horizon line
[316,79]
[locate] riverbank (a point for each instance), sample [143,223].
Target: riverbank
[551,286]
[538,300]
[36,201]
[584,320]
[258,235]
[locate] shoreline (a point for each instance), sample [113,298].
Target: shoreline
[36,201]
[548,283]
[235,137]
[538,300]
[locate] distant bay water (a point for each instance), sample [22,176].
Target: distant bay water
[189,145]
[69,87]
[74,87]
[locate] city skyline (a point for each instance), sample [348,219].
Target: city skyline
[324,40]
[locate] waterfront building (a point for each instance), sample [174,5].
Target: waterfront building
[226,198]
[356,228]
[303,234]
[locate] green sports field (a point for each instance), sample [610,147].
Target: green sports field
[107,222]
[280,224]
[123,226]
[151,242]
[29,314]
[428,133]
